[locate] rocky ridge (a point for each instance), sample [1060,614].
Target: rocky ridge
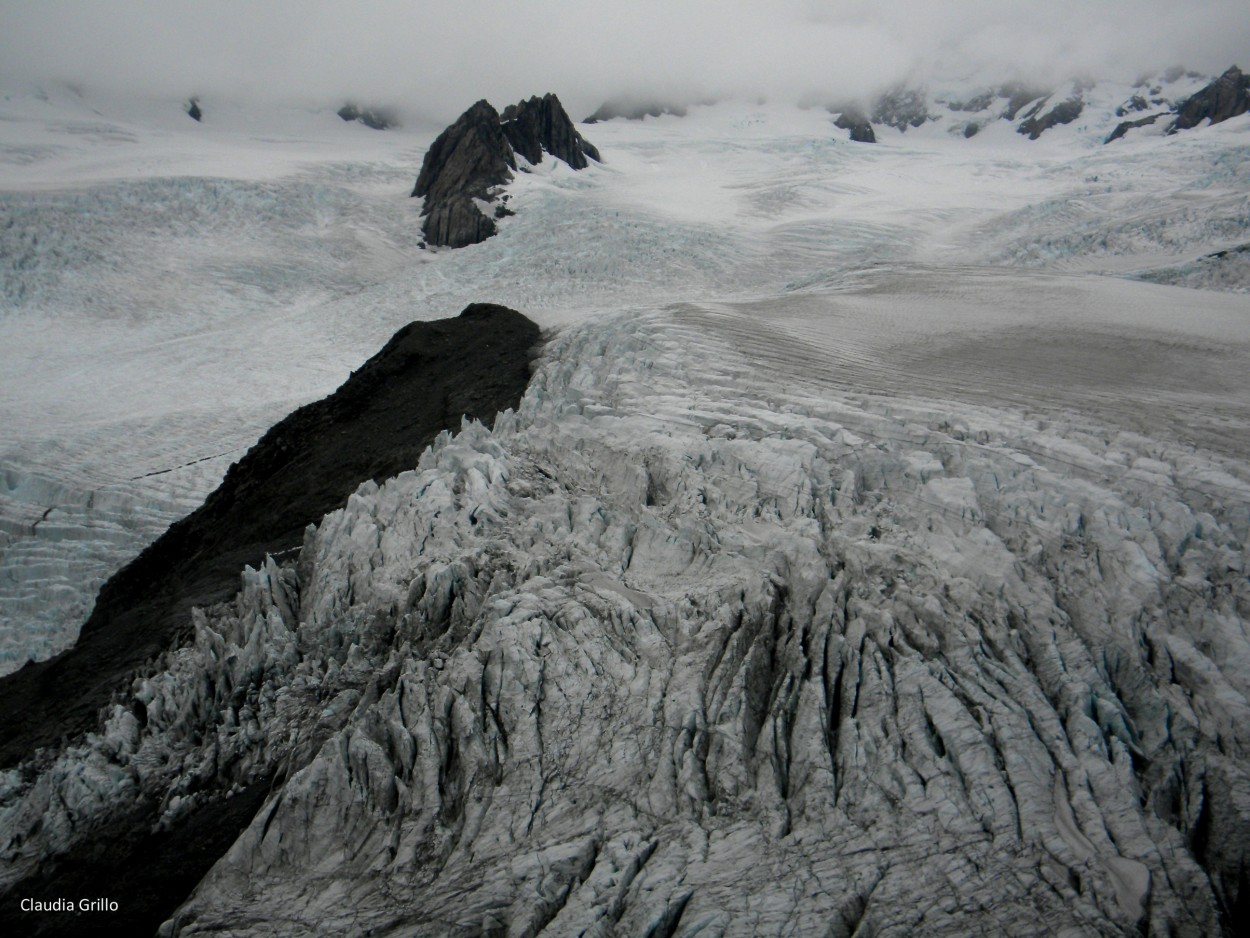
[128,845]
[475,156]
[1035,110]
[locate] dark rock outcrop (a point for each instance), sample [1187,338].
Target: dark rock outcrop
[541,124]
[901,108]
[1124,127]
[857,123]
[376,425]
[372,117]
[1135,103]
[464,163]
[1063,113]
[193,110]
[477,153]
[1018,96]
[1227,96]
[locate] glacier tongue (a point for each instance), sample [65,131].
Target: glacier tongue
[684,647]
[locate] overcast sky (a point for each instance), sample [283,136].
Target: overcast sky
[436,57]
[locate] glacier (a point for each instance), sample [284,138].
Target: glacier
[867,555]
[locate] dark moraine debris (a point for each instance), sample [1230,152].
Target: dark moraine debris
[854,120]
[376,425]
[541,124]
[1063,113]
[1227,96]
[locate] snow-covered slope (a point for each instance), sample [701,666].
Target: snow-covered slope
[862,554]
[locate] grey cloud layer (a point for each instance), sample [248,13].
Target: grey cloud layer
[435,57]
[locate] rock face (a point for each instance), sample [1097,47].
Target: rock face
[1124,127]
[1227,96]
[1019,95]
[541,124]
[426,380]
[193,110]
[1063,113]
[857,123]
[464,163]
[477,153]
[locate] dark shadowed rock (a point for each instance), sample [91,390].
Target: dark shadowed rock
[1227,96]
[461,165]
[467,158]
[1135,103]
[541,124]
[372,117]
[1018,96]
[193,110]
[376,425]
[1124,127]
[901,108]
[457,222]
[477,153]
[1063,113]
[854,120]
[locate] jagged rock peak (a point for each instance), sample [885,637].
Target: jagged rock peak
[542,124]
[477,153]
[462,164]
[468,157]
[1227,96]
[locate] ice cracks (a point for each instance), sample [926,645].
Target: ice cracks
[683,646]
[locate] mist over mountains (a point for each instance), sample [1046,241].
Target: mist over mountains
[432,59]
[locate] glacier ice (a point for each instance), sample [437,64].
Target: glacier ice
[681,642]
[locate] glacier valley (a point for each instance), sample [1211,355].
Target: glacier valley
[867,555]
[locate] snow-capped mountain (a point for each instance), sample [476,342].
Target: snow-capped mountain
[866,554]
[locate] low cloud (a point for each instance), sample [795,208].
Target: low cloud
[434,57]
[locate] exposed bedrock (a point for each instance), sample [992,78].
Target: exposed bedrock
[1041,121]
[541,125]
[477,154]
[1227,96]
[427,379]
